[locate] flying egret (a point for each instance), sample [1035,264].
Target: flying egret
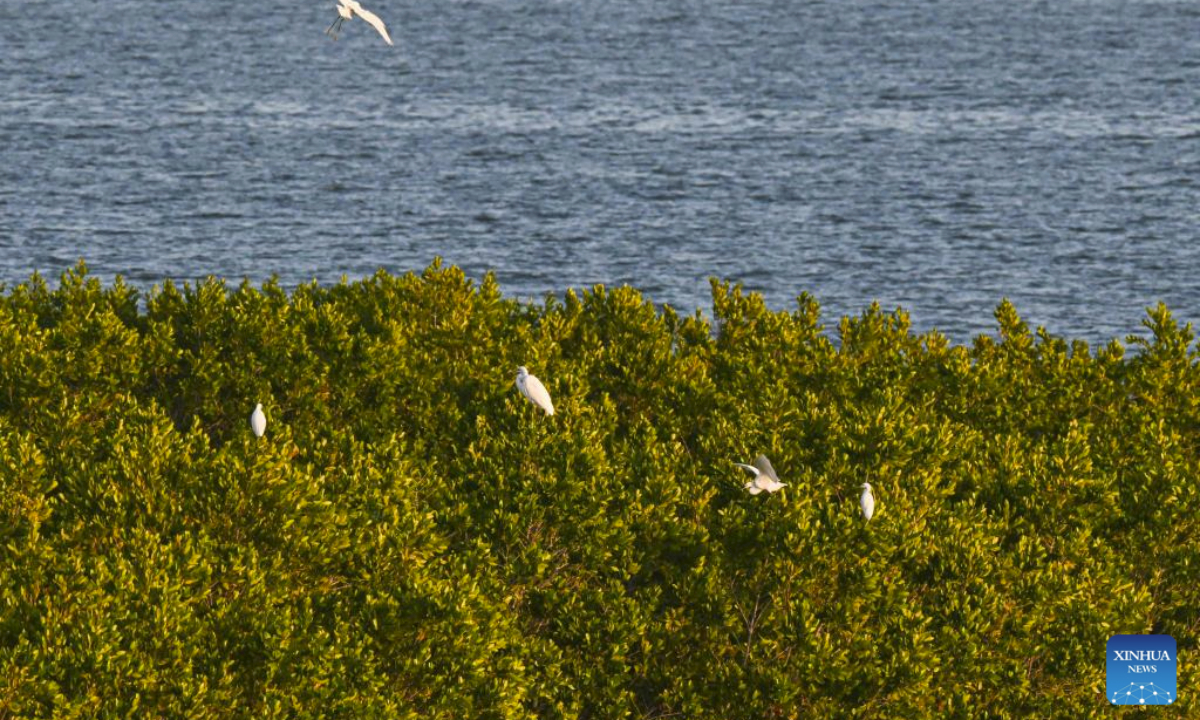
[867,501]
[347,9]
[534,390]
[258,421]
[764,476]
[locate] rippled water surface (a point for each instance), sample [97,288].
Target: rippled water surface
[936,155]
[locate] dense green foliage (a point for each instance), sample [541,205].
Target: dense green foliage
[412,538]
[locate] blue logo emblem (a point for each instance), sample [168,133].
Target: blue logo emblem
[1141,669]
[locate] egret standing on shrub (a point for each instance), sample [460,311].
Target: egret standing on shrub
[534,390]
[347,9]
[764,476]
[867,501]
[258,421]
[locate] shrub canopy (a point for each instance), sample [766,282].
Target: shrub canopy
[413,539]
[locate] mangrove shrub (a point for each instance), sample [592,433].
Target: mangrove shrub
[412,539]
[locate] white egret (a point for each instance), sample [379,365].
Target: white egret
[867,501]
[347,9]
[534,390]
[764,476]
[258,421]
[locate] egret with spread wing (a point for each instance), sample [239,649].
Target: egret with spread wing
[347,9]
[764,476]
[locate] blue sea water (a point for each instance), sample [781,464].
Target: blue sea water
[936,155]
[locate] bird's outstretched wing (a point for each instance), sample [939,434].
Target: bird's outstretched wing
[375,22]
[764,466]
[753,470]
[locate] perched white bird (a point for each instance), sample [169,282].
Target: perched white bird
[764,476]
[867,501]
[347,9]
[534,390]
[258,421]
